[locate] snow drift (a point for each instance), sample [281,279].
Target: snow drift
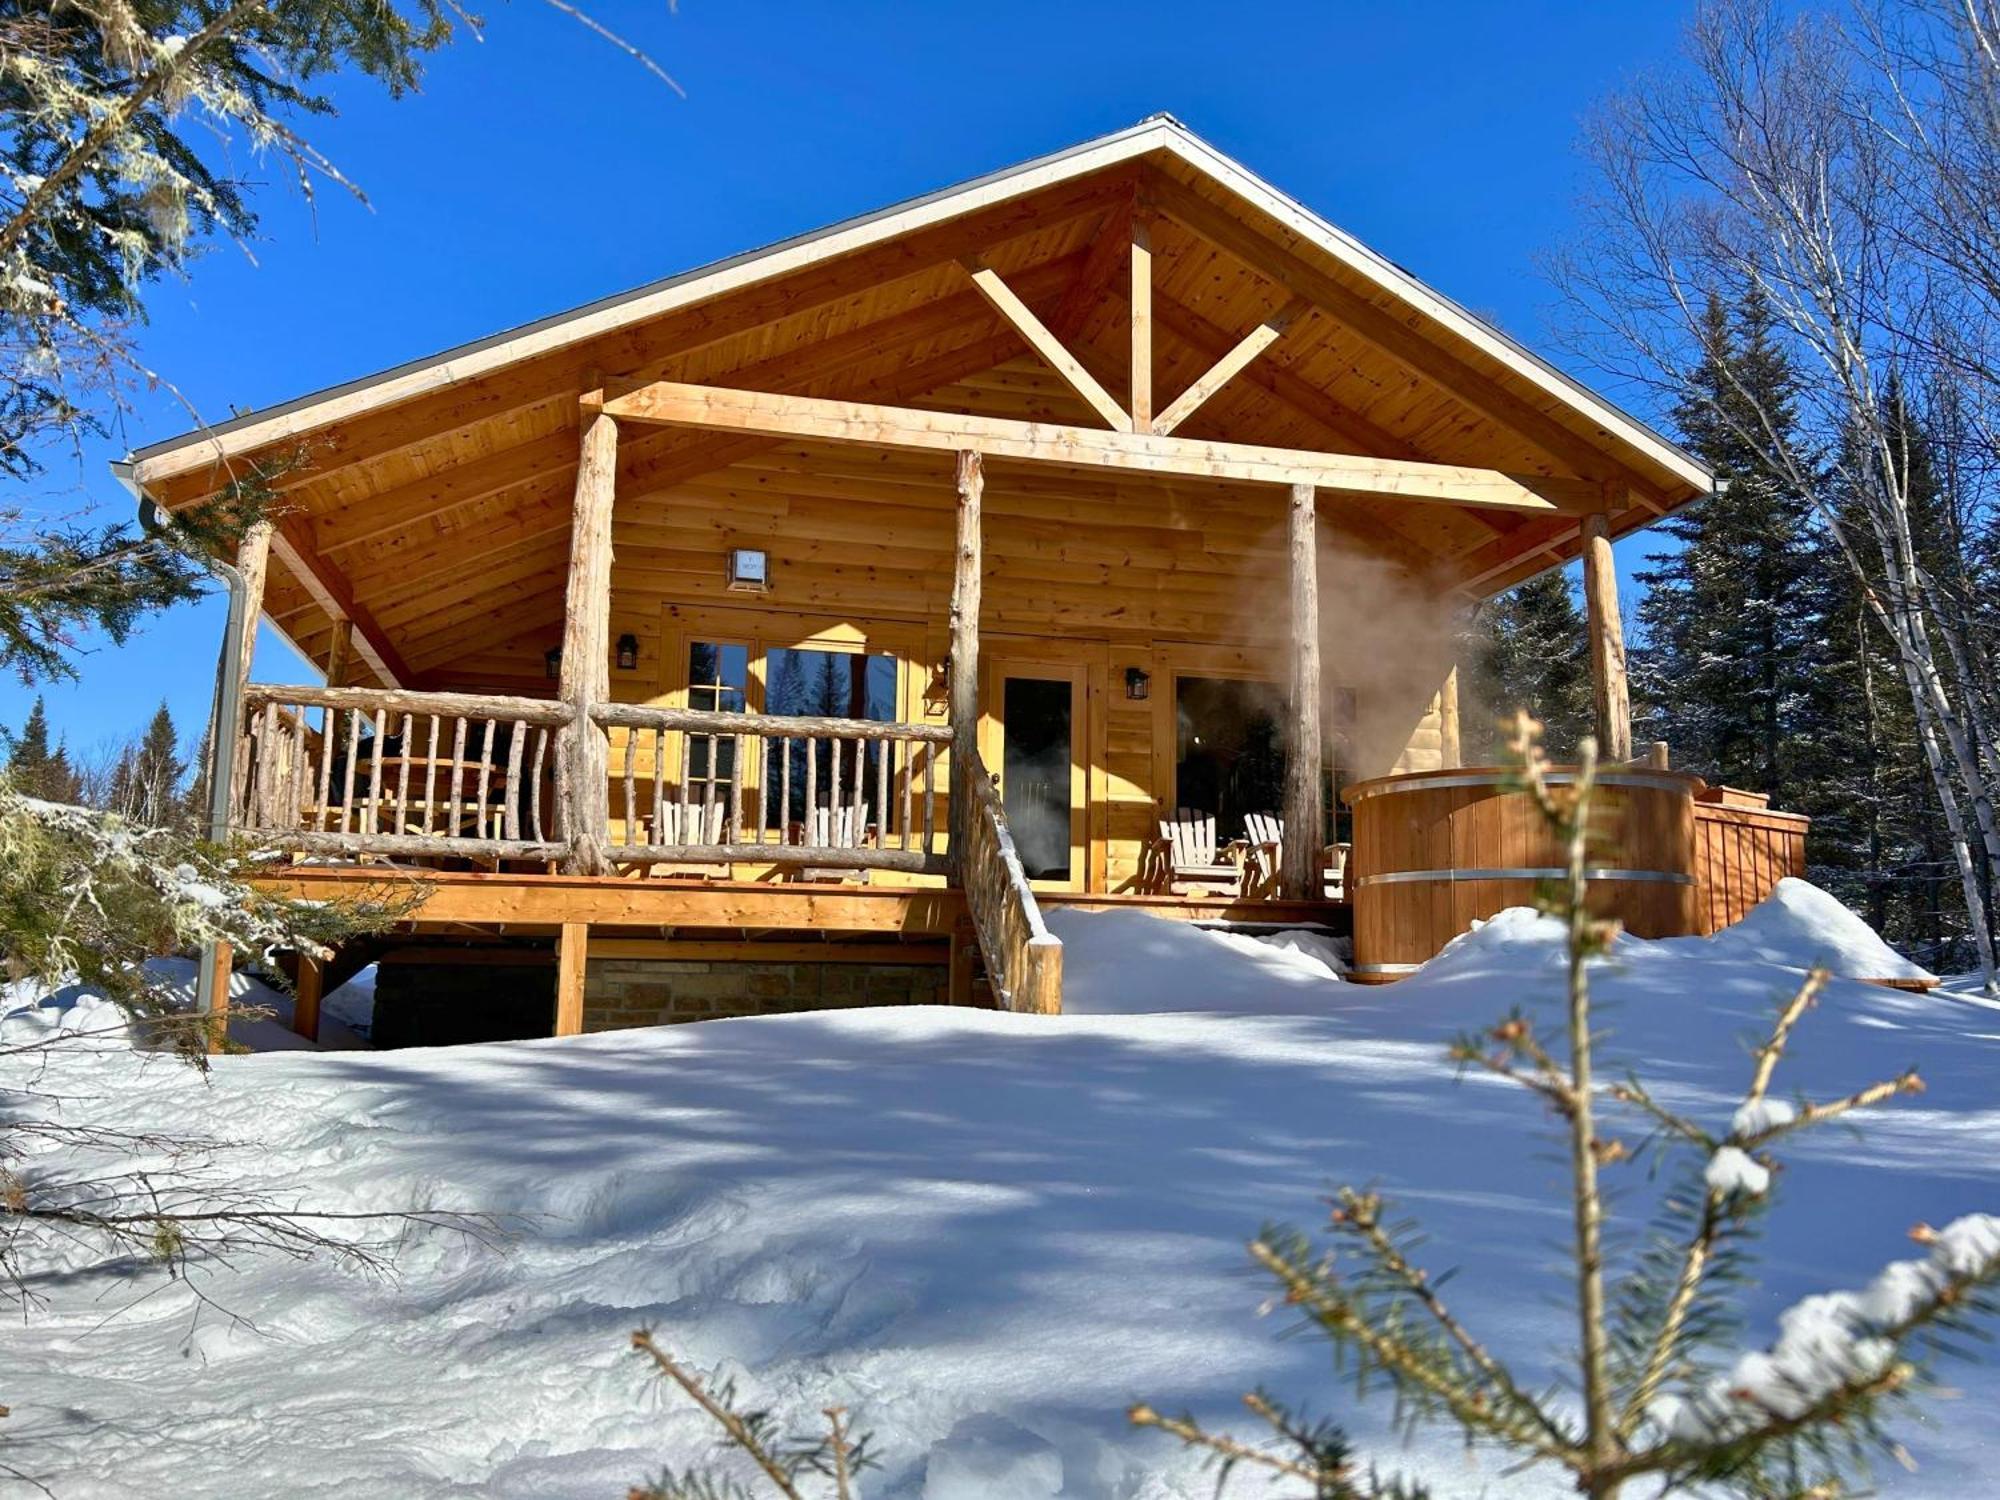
[985,1234]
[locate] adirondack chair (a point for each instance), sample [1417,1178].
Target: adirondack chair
[1266,835]
[831,828]
[697,823]
[1193,863]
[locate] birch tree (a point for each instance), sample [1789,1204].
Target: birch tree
[1781,157]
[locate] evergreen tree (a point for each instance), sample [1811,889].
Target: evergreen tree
[146,785]
[35,767]
[1527,650]
[1728,635]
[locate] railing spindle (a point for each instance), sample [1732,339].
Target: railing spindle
[535,786]
[353,755]
[510,822]
[631,787]
[431,776]
[375,776]
[659,829]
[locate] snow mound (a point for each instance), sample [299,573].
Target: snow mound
[1799,925]
[1128,963]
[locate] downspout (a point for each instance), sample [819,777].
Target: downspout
[227,711]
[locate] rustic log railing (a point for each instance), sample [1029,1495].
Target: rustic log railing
[1023,959]
[690,786]
[396,773]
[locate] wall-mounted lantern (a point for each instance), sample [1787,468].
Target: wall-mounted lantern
[749,570]
[1138,685]
[628,653]
[552,662]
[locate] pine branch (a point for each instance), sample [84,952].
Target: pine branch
[101,137]
[1406,1365]
[739,1431]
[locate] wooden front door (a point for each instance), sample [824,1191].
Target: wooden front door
[1035,739]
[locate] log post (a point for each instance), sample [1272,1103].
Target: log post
[218,962]
[307,991]
[253,562]
[586,677]
[572,966]
[340,653]
[1304,815]
[965,587]
[1607,642]
[1451,752]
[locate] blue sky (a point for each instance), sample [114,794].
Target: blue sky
[540,168]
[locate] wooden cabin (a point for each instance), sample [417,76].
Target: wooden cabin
[796,629]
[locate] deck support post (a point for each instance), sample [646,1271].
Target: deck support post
[215,965]
[1607,641]
[1304,813]
[307,991]
[585,791]
[965,588]
[572,965]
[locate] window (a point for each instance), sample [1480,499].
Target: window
[1230,750]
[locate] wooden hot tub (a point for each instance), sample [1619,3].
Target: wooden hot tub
[1435,851]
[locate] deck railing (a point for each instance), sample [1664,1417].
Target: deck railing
[691,786]
[1023,958]
[353,771]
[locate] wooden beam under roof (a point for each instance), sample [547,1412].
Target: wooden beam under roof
[1228,365]
[292,544]
[1381,330]
[721,409]
[391,412]
[548,463]
[993,287]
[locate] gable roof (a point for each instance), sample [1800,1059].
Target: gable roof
[438,489]
[1157,133]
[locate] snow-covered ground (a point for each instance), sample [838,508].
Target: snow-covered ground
[984,1234]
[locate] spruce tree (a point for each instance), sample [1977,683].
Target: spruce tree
[147,783]
[36,767]
[1728,639]
[1527,650]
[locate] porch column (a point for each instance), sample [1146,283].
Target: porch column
[1304,817]
[1451,753]
[585,795]
[1607,642]
[253,562]
[966,580]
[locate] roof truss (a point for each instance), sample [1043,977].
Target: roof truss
[719,408]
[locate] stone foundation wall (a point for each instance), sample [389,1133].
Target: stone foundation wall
[651,992]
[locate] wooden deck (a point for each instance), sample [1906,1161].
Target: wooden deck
[540,905]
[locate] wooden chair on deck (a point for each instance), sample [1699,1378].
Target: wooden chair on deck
[696,823]
[1265,858]
[832,828]
[1192,862]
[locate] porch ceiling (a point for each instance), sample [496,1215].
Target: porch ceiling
[431,505]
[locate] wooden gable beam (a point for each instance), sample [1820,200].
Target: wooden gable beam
[1047,345]
[292,544]
[1227,367]
[1140,302]
[1383,331]
[720,409]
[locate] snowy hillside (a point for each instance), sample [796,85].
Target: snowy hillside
[985,1234]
